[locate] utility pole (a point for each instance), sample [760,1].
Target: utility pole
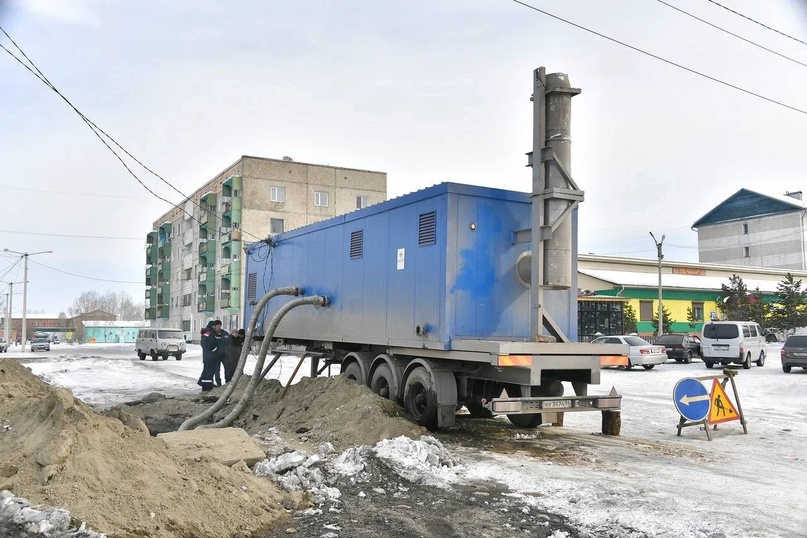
[25,291]
[660,330]
[7,325]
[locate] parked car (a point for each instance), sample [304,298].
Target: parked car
[3,345]
[794,352]
[40,344]
[642,353]
[726,342]
[680,346]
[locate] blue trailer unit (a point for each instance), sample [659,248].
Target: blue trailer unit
[424,270]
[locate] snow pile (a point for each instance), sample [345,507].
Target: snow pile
[19,518]
[298,470]
[424,460]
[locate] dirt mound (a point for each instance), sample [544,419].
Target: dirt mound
[113,475]
[332,409]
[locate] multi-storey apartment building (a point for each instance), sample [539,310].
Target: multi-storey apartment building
[194,269]
[755,230]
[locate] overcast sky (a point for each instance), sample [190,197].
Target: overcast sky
[426,91]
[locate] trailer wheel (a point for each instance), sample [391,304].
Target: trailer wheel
[383,383]
[420,398]
[526,421]
[353,372]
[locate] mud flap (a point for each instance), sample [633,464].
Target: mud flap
[446,387]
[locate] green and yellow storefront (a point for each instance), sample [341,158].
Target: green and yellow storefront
[606,284]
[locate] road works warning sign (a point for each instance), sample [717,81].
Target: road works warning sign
[721,409]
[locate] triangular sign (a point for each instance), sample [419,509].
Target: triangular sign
[721,408]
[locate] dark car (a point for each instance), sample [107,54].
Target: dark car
[679,346]
[794,352]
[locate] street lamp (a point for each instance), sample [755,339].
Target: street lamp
[25,290]
[660,330]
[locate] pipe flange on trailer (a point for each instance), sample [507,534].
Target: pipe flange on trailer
[430,394]
[356,366]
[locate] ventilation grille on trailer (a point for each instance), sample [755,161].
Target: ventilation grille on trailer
[252,286]
[427,229]
[356,244]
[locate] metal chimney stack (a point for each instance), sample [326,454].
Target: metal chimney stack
[554,193]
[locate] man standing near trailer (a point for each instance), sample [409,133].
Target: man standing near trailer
[214,352]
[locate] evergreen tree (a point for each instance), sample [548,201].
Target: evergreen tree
[629,319]
[693,321]
[668,321]
[756,309]
[790,311]
[734,299]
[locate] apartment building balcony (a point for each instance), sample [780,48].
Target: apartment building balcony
[225,270]
[187,237]
[206,304]
[163,311]
[224,299]
[151,276]
[150,313]
[151,297]
[231,185]
[151,255]
[187,260]
[151,238]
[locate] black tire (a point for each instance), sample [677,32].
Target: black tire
[688,357]
[178,356]
[747,361]
[525,421]
[141,355]
[165,357]
[761,359]
[353,372]
[476,409]
[420,398]
[709,364]
[383,383]
[154,356]
[786,368]
[648,366]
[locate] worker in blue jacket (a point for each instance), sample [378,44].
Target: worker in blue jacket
[214,351]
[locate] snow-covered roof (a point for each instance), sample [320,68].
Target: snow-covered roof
[698,282]
[116,324]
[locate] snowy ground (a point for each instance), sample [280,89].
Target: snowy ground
[647,482]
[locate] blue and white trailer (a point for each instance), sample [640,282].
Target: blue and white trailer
[431,302]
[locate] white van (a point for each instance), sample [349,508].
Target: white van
[739,342]
[160,343]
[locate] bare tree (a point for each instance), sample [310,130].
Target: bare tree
[120,304]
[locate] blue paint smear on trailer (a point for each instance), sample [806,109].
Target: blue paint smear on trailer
[459,283]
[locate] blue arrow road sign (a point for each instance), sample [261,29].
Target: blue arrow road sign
[691,399]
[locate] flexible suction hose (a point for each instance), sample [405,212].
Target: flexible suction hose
[242,360]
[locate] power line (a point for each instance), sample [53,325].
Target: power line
[96,130]
[733,34]
[670,62]
[82,194]
[84,276]
[74,235]
[757,22]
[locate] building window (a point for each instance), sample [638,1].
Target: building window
[321,199]
[645,310]
[745,228]
[278,194]
[276,226]
[697,311]
[361,202]
[746,252]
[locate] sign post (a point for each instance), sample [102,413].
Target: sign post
[697,406]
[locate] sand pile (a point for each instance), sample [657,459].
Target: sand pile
[332,409]
[108,472]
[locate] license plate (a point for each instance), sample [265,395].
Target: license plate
[172,348]
[720,347]
[554,404]
[800,354]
